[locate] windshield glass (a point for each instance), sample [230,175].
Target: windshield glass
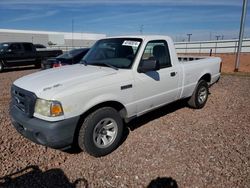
[115,52]
[70,54]
[3,46]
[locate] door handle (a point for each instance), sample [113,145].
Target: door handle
[173,74]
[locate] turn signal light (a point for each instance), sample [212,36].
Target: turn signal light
[56,109]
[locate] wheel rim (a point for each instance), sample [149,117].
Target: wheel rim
[105,132]
[202,95]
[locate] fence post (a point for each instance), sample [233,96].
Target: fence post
[211,51]
[215,50]
[235,47]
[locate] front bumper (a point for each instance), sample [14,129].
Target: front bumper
[56,135]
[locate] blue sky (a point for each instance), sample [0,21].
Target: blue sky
[203,18]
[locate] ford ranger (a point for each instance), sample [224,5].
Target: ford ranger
[120,78]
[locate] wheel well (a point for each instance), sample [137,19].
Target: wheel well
[114,104]
[206,77]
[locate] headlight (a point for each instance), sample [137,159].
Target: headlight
[48,108]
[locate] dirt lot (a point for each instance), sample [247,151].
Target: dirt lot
[189,148]
[228,61]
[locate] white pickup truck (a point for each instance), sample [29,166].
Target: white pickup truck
[120,78]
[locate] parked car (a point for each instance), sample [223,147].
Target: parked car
[14,54]
[69,58]
[119,79]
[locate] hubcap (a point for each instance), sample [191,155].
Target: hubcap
[105,132]
[202,95]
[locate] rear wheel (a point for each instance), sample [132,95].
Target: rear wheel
[101,132]
[38,65]
[199,96]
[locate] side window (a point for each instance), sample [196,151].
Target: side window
[159,51]
[27,47]
[15,47]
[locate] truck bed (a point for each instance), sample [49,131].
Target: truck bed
[47,53]
[182,58]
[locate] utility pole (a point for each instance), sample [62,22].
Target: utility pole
[241,35]
[189,36]
[217,38]
[72,41]
[222,37]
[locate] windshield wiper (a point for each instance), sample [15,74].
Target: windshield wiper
[106,64]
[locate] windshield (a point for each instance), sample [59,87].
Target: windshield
[3,46]
[115,52]
[70,54]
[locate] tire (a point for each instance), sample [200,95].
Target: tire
[38,65]
[101,132]
[1,66]
[199,96]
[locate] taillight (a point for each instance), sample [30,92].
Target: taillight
[57,65]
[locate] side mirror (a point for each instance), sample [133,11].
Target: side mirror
[149,65]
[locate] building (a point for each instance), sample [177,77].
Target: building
[62,40]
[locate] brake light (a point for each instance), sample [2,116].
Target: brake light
[57,65]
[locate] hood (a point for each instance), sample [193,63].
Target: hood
[63,77]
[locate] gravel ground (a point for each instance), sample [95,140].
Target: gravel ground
[184,147]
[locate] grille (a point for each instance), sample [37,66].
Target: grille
[23,99]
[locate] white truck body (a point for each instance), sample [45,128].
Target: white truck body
[80,90]
[80,87]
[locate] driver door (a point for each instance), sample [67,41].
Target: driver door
[15,55]
[156,88]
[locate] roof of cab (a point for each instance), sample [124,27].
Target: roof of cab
[144,37]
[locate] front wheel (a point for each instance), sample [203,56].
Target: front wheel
[101,132]
[199,96]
